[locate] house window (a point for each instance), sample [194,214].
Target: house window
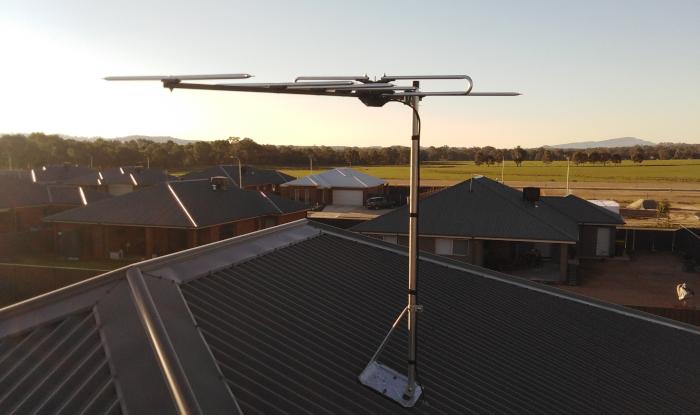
[296,194]
[443,246]
[390,238]
[306,196]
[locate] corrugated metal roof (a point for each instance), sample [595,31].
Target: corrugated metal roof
[57,367]
[344,177]
[252,176]
[583,211]
[287,318]
[479,207]
[158,206]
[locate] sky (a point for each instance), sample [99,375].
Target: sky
[588,70]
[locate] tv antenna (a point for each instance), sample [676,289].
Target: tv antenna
[402,388]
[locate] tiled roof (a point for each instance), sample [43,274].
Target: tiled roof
[344,177]
[583,211]
[180,204]
[19,193]
[284,320]
[136,176]
[59,174]
[252,176]
[479,207]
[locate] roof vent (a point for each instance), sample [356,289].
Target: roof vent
[218,182]
[531,194]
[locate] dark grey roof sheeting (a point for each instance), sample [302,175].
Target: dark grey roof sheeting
[156,206]
[488,210]
[57,367]
[291,320]
[583,211]
[291,331]
[18,193]
[252,176]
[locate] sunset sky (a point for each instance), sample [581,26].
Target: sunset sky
[588,70]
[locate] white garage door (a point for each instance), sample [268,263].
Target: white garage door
[347,197]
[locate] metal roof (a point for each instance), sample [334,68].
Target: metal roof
[283,321]
[344,177]
[180,204]
[479,207]
[252,176]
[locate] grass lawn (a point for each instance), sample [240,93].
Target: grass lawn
[648,171]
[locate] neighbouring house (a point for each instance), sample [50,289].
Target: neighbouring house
[16,174]
[23,203]
[168,217]
[285,319]
[597,225]
[253,178]
[121,180]
[59,173]
[484,222]
[340,186]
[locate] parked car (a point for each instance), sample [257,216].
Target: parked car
[379,202]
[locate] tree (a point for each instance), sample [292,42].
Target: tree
[594,157]
[547,157]
[580,157]
[604,157]
[479,158]
[518,155]
[638,155]
[616,158]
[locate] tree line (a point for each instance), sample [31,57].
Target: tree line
[37,149]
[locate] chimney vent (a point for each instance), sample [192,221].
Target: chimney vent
[531,194]
[218,182]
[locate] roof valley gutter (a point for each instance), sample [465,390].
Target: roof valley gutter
[177,382]
[182,206]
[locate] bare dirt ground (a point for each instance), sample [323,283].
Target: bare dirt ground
[648,279]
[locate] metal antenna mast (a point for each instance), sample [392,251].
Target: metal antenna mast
[401,388]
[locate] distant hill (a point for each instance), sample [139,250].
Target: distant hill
[613,142]
[155,139]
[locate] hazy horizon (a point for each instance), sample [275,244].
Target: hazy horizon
[588,72]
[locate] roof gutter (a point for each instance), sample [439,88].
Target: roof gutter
[177,382]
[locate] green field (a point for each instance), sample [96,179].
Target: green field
[648,171]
